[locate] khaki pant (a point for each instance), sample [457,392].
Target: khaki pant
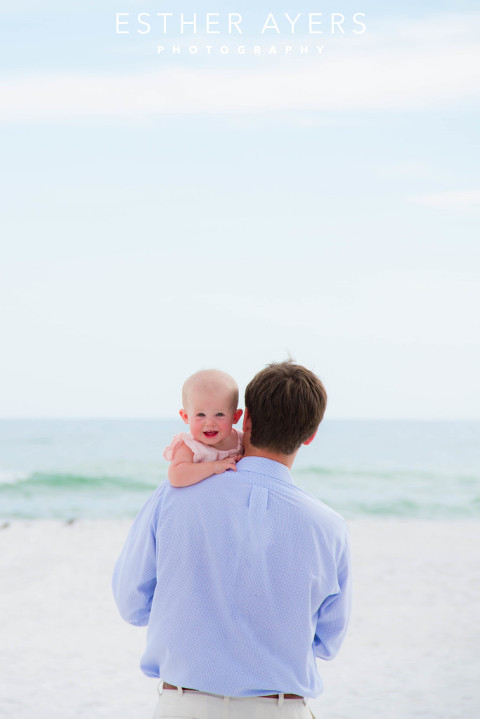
[197,705]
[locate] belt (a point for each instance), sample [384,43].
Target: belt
[262,696]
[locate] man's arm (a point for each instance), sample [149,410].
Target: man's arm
[334,613]
[135,573]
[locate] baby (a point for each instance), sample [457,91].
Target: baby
[212,446]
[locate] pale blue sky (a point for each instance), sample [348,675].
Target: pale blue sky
[163,214]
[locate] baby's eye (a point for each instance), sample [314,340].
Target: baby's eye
[220,414]
[201,414]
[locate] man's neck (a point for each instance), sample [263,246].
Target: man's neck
[286,459]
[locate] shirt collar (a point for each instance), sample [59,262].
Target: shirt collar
[267,467]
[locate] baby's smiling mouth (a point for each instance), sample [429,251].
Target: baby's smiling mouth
[210,434]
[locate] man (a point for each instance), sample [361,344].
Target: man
[243,579]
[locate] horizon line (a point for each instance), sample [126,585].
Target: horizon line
[173,418]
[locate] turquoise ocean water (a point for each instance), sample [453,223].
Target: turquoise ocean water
[71,469]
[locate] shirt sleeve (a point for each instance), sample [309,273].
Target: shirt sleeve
[334,613]
[135,573]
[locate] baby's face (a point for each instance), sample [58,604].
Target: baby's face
[210,415]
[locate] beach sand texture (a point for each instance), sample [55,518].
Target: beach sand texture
[412,649]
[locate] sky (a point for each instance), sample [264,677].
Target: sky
[164,211]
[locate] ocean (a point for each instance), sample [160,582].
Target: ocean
[73,469]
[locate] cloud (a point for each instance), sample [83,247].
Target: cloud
[460,201]
[400,72]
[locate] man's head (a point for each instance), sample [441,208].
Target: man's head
[286,403]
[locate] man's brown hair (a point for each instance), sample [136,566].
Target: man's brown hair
[286,403]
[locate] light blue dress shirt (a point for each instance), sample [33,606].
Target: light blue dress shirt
[243,579]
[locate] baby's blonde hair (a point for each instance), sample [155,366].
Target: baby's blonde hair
[210,380]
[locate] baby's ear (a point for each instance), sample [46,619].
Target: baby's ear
[183,415]
[236,415]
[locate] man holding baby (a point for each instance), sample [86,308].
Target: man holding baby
[243,579]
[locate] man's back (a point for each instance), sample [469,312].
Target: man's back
[242,579]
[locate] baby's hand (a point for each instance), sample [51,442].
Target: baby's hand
[221,465]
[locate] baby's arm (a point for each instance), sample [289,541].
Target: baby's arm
[182,471]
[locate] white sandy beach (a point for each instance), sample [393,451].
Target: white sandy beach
[412,650]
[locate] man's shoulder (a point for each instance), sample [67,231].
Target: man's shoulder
[154,503]
[301,504]
[320,512]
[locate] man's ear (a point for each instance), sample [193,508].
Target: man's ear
[183,415]
[236,415]
[247,421]
[310,439]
